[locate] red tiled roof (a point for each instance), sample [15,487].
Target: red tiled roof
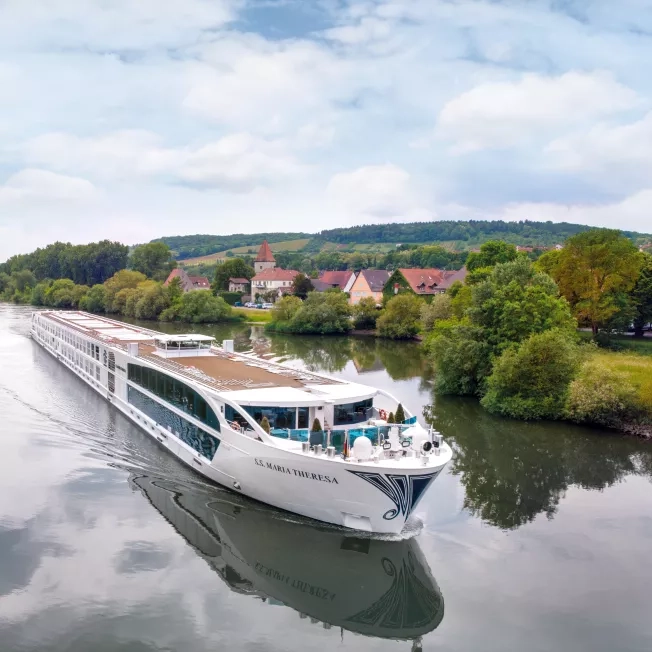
[275,274]
[452,276]
[423,281]
[336,278]
[265,254]
[173,274]
[200,281]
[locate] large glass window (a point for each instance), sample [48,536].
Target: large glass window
[204,443]
[175,392]
[278,417]
[303,417]
[353,412]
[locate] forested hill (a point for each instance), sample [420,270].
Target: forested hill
[472,232]
[459,235]
[191,246]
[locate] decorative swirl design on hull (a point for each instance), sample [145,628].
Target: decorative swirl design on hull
[404,491]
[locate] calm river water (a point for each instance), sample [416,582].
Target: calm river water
[538,537]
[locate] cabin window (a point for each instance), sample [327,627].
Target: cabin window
[353,412]
[174,392]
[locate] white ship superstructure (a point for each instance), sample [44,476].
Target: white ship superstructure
[205,404]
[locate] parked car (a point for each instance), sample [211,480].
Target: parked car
[259,306]
[249,304]
[267,306]
[238,304]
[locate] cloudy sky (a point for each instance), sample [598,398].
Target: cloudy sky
[133,119]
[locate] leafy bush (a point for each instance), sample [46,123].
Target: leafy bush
[612,390]
[316,426]
[322,313]
[230,297]
[401,318]
[531,381]
[285,308]
[198,306]
[461,356]
[439,308]
[365,314]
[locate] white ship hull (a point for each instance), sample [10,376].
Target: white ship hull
[375,495]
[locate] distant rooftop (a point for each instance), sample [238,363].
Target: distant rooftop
[265,254]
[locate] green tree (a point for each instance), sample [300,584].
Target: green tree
[365,314]
[153,259]
[151,300]
[232,268]
[323,313]
[301,286]
[400,414]
[391,418]
[592,269]
[491,253]
[96,299]
[642,297]
[461,355]
[122,280]
[286,308]
[401,317]
[174,291]
[439,308]
[531,380]
[198,306]
[516,302]
[39,293]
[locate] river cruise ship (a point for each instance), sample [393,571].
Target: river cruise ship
[212,408]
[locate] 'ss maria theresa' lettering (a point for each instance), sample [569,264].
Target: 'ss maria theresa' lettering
[308,475]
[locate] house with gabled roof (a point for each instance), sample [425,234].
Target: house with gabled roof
[368,283]
[342,280]
[422,282]
[188,282]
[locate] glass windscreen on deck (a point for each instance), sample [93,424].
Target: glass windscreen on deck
[278,417]
[353,412]
[174,392]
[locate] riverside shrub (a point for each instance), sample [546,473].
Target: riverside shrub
[461,356]
[401,318]
[531,380]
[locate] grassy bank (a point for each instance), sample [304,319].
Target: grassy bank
[637,369]
[253,314]
[642,346]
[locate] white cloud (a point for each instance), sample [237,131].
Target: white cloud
[632,213]
[43,185]
[377,191]
[617,155]
[238,162]
[504,113]
[248,82]
[119,24]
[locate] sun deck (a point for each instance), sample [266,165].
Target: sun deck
[212,366]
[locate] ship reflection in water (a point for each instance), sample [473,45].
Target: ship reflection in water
[368,586]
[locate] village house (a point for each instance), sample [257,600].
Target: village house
[368,283]
[270,279]
[187,282]
[423,282]
[238,284]
[342,280]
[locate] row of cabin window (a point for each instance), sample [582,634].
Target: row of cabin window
[198,439]
[174,392]
[89,367]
